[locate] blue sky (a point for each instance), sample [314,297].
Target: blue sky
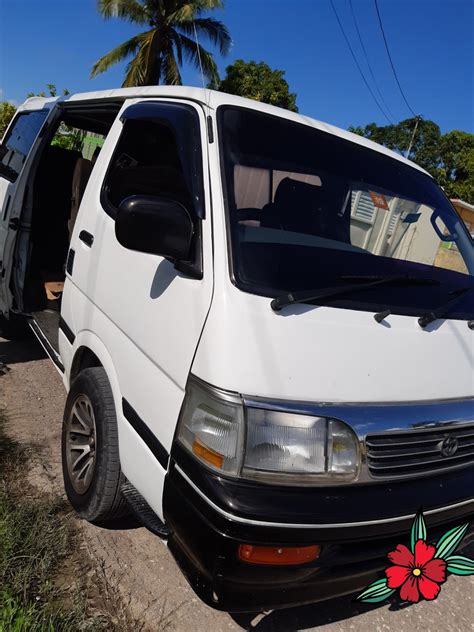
[431,41]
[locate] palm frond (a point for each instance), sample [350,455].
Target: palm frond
[158,53]
[131,10]
[209,66]
[170,70]
[176,38]
[183,13]
[190,9]
[214,30]
[119,53]
[135,73]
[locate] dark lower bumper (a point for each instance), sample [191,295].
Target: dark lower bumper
[205,542]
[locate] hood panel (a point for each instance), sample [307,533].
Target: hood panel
[323,354]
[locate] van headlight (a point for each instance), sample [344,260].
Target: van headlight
[211,427]
[266,445]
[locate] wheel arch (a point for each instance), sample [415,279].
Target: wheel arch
[84,358]
[89,352]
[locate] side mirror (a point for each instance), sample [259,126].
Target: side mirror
[440,229]
[154,225]
[411,218]
[3,151]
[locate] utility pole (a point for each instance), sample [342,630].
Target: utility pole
[417,120]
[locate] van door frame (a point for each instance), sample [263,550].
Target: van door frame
[21,249]
[16,192]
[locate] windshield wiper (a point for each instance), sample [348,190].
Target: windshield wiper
[443,310]
[332,292]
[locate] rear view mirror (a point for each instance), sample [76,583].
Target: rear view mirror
[154,225]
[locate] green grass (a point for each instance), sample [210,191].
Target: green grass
[35,542]
[16,616]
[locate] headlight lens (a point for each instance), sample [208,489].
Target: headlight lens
[277,447]
[211,428]
[298,449]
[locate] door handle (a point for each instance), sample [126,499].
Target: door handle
[14,223]
[86,237]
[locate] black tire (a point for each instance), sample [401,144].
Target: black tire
[101,501]
[14,328]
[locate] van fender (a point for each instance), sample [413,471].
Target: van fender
[93,343]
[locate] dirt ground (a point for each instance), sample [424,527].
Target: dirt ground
[138,564]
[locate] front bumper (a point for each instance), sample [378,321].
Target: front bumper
[210,517]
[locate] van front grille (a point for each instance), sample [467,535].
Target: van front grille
[419,451]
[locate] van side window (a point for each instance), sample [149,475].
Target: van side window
[158,157]
[159,154]
[19,140]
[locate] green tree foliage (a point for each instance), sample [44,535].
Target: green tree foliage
[51,92]
[257,81]
[67,137]
[7,110]
[448,157]
[158,52]
[456,173]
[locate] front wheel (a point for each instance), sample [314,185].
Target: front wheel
[90,451]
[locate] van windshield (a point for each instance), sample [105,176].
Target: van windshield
[307,209]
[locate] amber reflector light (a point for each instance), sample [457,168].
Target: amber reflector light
[212,457]
[278,555]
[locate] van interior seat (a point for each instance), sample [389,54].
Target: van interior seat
[80,178]
[307,208]
[49,225]
[52,207]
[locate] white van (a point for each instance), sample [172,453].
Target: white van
[264,355]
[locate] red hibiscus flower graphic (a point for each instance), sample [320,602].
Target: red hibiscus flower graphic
[416,573]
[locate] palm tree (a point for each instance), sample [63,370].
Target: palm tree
[174,34]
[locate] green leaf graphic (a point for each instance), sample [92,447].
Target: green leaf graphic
[450,541]
[460,565]
[375,592]
[418,530]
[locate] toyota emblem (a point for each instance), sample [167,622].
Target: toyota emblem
[449,446]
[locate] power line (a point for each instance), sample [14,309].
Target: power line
[368,62]
[390,58]
[357,63]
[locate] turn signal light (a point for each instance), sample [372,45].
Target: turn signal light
[211,456]
[278,555]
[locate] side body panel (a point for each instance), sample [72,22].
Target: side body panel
[143,320]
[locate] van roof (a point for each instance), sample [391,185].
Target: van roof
[212,99]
